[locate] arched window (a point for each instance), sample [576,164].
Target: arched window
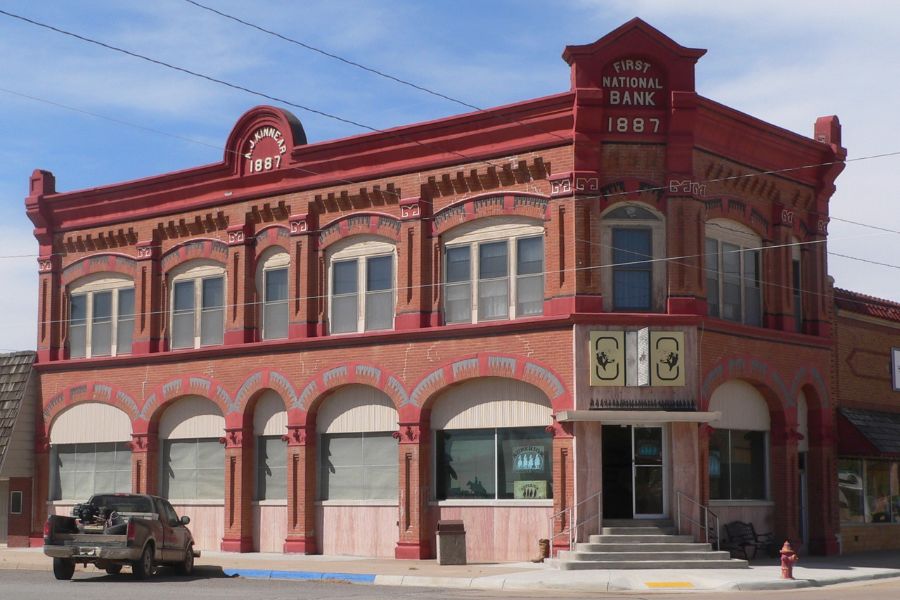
[357,448]
[272,286]
[797,283]
[493,269]
[733,272]
[739,444]
[361,285]
[193,461]
[89,452]
[197,300]
[632,237]
[101,316]
[491,441]
[269,425]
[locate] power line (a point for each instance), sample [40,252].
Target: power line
[358,65]
[235,86]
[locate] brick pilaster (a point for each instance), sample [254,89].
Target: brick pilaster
[414,531]
[303,288]
[41,489]
[144,463]
[563,485]
[238,491]
[685,277]
[301,492]
[240,306]
[148,299]
[50,336]
[414,272]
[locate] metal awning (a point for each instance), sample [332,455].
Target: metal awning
[632,417]
[868,432]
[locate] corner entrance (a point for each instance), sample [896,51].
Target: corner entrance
[633,472]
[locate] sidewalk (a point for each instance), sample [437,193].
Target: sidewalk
[809,572]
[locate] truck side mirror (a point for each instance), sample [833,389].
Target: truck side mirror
[185,520]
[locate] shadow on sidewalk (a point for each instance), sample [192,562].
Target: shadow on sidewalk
[163,575]
[882,559]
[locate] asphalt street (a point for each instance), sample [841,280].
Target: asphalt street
[39,585]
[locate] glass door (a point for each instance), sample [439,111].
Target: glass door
[648,473]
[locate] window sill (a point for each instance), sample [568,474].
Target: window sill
[270,502]
[357,503]
[494,503]
[858,524]
[727,503]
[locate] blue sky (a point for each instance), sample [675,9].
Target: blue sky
[785,62]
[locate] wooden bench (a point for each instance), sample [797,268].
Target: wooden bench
[742,538]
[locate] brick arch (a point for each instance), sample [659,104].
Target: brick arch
[193,249]
[273,235]
[99,263]
[189,385]
[820,418]
[492,204]
[91,391]
[757,372]
[490,364]
[266,379]
[336,376]
[741,211]
[360,223]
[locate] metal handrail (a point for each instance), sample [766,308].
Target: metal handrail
[704,511]
[571,528]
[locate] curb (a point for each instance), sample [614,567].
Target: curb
[301,575]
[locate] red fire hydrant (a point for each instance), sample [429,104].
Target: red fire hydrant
[788,558]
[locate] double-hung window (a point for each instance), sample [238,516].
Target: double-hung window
[362,288]
[632,240]
[797,285]
[493,273]
[272,286]
[733,273]
[101,317]
[198,307]
[632,268]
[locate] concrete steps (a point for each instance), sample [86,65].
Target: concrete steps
[626,544]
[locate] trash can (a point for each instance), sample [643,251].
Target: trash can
[451,543]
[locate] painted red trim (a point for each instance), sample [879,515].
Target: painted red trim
[242,544]
[303,545]
[412,551]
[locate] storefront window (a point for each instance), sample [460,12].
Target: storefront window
[489,464]
[869,491]
[737,465]
[358,466]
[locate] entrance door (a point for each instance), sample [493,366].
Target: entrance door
[633,472]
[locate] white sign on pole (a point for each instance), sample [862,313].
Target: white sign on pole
[895,368]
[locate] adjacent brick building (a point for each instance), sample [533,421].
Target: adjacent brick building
[573,308]
[867,392]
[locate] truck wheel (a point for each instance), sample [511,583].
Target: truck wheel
[186,567]
[143,567]
[63,568]
[114,569]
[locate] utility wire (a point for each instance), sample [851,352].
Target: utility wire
[235,86]
[372,70]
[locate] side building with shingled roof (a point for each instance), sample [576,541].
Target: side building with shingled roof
[18,399]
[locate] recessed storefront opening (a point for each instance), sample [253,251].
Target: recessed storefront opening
[633,472]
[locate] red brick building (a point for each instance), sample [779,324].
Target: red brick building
[867,393]
[574,308]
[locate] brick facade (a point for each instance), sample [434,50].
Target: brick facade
[561,162]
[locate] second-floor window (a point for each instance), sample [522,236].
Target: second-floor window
[733,273]
[272,287]
[362,287]
[198,307]
[101,317]
[494,272]
[632,244]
